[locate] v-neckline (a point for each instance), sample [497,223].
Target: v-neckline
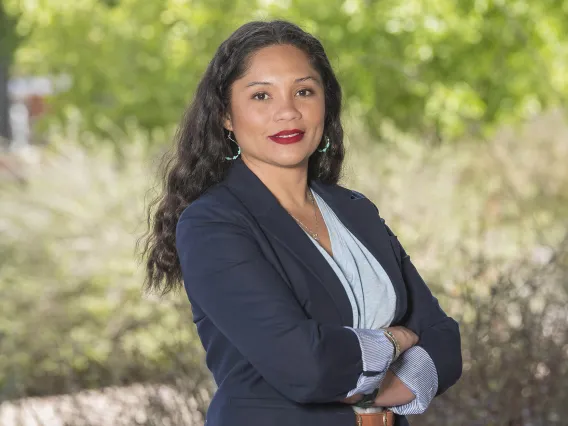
[332,241]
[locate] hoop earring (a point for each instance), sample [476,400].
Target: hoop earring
[238,152]
[326,145]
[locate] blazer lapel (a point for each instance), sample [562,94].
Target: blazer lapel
[361,219]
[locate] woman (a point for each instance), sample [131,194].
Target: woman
[309,309]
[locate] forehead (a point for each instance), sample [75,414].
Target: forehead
[278,62]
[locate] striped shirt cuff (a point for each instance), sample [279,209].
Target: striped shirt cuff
[417,371]
[377,352]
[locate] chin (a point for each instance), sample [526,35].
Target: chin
[291,161]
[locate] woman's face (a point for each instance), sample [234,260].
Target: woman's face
[279,92]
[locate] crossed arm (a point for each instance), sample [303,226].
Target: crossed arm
[393,392]
[425,370]
[409,384]
[260,315]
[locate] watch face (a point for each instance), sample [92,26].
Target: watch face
[367,400]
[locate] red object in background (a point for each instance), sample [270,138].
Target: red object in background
[36,105]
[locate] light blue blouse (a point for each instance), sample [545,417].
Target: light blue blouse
[373,301]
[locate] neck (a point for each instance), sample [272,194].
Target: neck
[288,184]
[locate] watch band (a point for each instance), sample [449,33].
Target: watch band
[394,342]
[368,399]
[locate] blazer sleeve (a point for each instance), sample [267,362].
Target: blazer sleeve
[227,276]
[438,333]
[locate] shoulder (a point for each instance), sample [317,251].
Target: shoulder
[217,207]
[217,203]
[342,190]
[212,231]
[214,223]
[356,195]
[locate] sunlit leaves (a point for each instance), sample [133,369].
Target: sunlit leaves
[445,67]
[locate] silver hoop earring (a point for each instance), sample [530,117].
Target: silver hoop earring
[326,145]
[238,152]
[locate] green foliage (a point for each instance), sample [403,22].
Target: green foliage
[441,68]
[9,38]
[138,59]
[74,315]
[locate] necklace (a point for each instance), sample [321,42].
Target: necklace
[314,235]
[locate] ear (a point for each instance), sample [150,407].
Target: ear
[227,124]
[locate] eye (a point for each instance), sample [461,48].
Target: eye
[306,90]
[256,96]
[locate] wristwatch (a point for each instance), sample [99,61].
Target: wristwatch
[368,399]
[394,342]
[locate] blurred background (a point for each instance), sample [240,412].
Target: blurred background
[456,126]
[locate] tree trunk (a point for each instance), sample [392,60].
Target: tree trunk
[5,129]
[8,42]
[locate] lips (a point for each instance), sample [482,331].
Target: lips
[288,132]
[287,136]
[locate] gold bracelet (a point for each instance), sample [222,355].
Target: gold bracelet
[394,342]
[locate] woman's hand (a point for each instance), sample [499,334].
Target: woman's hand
[393,392]
[406,337]
[353,399]
[393,386]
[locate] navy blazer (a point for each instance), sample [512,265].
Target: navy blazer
[271,313]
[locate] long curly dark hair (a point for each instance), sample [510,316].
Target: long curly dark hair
[198,160]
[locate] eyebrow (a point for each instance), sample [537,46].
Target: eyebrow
[298,80]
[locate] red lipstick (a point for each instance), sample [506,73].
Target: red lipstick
[287,136]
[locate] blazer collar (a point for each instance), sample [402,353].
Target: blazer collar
[260,201]
[359,217]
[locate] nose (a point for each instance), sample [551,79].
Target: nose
[287,110]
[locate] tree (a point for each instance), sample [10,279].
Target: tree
[440,68]
[8,43]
